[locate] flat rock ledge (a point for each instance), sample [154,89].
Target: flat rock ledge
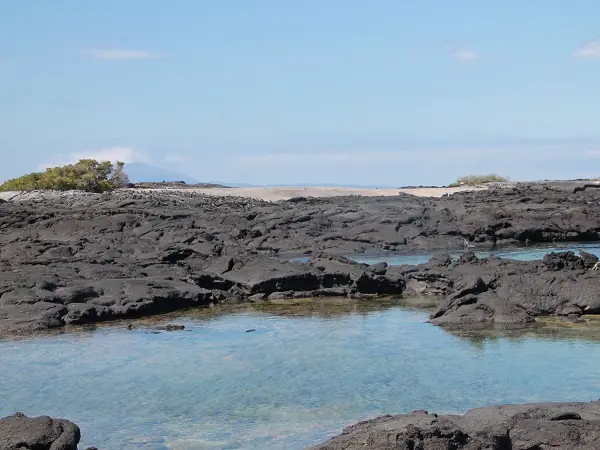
[19,432]
[533,426]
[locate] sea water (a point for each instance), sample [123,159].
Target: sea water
[517,253]
[303,374]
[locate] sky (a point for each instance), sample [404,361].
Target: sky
[384,92]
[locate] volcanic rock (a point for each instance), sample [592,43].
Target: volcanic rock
[498,291]
[19,432]
[541,426]
[75,258]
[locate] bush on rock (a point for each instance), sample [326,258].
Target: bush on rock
[476,180]
[86,175]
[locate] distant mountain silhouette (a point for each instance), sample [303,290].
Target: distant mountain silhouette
[140,172]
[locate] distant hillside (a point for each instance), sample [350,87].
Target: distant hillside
[139,172]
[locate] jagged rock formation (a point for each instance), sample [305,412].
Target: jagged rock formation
[503,292]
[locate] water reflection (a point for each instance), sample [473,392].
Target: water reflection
[326,307]
[586,329]
[330,307]
[303,374]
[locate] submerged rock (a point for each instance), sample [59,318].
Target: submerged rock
[19,432]
[535,426]
[172,327]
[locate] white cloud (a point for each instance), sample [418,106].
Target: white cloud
[590,50]
[465,55]
[122,54]
[113,154]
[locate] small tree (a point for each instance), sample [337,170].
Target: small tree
[86,175]
[474,180]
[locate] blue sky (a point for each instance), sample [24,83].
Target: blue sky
[337,91]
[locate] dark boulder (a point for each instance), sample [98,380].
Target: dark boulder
[589,260]
[467,257]
[379,268]
[370,283]
[440,260]
[19,432]
[563,260]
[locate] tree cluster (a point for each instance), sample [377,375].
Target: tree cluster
[86,175]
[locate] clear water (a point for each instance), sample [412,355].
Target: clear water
[520,253]
[295,381]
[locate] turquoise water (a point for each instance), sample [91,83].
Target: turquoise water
[295,381]
[521,254]
[518,253]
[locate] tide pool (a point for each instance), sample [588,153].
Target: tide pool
[296,380]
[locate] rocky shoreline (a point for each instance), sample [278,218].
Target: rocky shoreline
[85,258]
[532,426]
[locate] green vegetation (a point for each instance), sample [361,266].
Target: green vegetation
[86,175]
[475,180]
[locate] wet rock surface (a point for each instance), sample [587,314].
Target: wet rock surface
[19,432]
[84,258]
[541,426]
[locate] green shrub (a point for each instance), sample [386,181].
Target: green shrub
[86,175]
[474,180]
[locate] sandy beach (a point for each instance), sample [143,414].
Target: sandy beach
[285,193]
[272,194]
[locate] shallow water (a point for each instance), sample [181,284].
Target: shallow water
[518,253]
[299,378]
